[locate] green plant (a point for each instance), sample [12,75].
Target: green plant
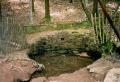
[106,48]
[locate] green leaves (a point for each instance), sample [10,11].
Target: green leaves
[106,48]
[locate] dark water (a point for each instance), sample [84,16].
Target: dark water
[59,64]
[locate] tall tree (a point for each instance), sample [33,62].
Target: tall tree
[47,11]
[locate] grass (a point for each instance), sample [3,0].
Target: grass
[58,26]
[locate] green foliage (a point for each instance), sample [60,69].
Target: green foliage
[118,1]
[106,48]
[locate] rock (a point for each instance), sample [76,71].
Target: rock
[100,68]
[78,76]
[113,75]
[39,79]
[17,69]
[82,54]
[81,75]
[41,67]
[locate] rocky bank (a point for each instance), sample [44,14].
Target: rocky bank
[18,68]
[102,70]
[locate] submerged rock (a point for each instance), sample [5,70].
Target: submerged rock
[82,54]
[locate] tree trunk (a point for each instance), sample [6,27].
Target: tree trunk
[109,19]
[33,8]
[71,1]
[47,11]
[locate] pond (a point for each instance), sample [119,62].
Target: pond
[59,64]
[59,53]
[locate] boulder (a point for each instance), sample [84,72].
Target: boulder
[99,68]
[113,75]
[18,69]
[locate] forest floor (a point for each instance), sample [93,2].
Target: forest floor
[60,11]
